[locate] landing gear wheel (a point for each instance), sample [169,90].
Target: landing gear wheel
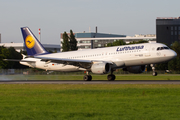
[90,77]
[87,78]
[111,77]
[153,68]
[154,73]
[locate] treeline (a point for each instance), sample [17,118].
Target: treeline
[121,42]
[10,53]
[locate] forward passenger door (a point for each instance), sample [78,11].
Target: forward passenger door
[147,51]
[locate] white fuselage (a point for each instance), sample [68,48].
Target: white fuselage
[120,56]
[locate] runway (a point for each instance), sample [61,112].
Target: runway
[89,82]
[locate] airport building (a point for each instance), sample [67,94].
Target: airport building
[168,29]
[20,46]
[99,40]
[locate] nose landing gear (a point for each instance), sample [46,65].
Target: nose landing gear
[153,69]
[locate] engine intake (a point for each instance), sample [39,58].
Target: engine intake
[101,68]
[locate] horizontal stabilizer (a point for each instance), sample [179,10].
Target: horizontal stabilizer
[19,60]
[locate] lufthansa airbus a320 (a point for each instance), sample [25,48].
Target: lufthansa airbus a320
[132,58]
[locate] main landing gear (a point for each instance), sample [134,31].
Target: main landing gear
[153,69]
[111,77]
[87,77]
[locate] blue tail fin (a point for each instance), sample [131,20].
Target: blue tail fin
[32,44]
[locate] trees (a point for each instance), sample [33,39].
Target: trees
[175,63]
[69,43]
[72,42]
[4,53]
[116,43]
[140,41]
[121,42]
[65,43]
[176,47]
[9,53]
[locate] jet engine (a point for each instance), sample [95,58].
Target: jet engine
[101,68]
[135,69]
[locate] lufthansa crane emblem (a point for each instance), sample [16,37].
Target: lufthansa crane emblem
[30,42]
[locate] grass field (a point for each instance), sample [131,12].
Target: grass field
[93,102]
[95,77]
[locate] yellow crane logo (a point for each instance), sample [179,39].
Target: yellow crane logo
[30,42]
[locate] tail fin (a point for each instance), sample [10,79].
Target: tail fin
[32,44]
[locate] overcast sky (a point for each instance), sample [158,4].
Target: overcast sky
[126,17]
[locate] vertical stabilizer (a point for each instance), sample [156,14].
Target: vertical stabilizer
[32,44]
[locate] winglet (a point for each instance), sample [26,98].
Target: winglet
[32,44]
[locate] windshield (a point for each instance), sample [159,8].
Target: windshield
[162,48]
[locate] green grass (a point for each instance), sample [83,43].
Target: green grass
[92,102]
[95,77]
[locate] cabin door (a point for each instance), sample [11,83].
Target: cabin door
[147,51]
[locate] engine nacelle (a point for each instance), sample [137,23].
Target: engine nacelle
[135,69]
[101,68]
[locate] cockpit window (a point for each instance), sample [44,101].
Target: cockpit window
[166,48]
[162,48]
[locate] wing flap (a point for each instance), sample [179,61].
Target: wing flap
[61,60]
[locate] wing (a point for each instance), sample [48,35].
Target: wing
[76,62]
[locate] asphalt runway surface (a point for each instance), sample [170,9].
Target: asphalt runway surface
[89,82]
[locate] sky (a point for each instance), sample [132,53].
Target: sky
[126,17]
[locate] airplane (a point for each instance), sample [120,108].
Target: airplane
[132,58]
